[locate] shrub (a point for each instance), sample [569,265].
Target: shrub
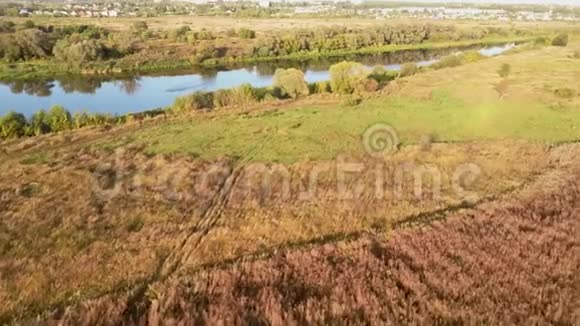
[243,95]
[80,119]
[471,56]
[565,92]
[382,75]
[58,119]
[352,100]
[408,69]
[26,44]
[346,76]
[367,85]
[193,102]
[541,41]
[560,40]
[39,123]
[7,26]
[139,26]
[12,125]
[245,33]
[505,70]
[80,52]
[319,87]
[577,54]
[28,24]
[448,62]
[291,82]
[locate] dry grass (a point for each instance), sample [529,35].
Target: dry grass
[123,218]
[513,261]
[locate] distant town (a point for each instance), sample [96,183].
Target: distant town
[289,8]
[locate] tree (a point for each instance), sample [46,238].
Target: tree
[12,125]
[560,40]
[58,119]
[27,44]
[505,70]
[80,52]
[345,77]
[291,82]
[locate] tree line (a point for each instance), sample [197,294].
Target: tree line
[85,44]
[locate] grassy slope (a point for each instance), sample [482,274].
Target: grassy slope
[453,105]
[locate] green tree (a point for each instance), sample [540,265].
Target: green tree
[59,119]
[346,77]
[12,125]
[80,52]
[291,82]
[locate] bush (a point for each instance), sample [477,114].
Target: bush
[58,119]
[319,87]
[560,40]
[352,100]
[291,82]
[565,92]
[382,75]
[139,26]
[505,70]
[448,62]
[245,33]
[26,44]
[12,125]
[408,69]
[39,123]
[541,41]
[7,26]
[193,102]
[346,77]
[80,52]
[240,96]
[471,56]
[28,24]
[577,54]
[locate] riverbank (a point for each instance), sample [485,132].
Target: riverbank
[47,69]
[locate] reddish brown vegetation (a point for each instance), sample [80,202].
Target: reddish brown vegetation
[510,262]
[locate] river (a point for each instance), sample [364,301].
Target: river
[125,94]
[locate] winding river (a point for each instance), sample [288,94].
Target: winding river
[124,94]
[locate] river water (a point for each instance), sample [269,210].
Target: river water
[125,94]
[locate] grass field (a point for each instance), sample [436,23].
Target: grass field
[450,105]
[166,220]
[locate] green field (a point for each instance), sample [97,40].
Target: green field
[431,104]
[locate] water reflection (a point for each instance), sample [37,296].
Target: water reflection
[131,93]
[35,88]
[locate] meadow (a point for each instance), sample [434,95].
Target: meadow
[167,219]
